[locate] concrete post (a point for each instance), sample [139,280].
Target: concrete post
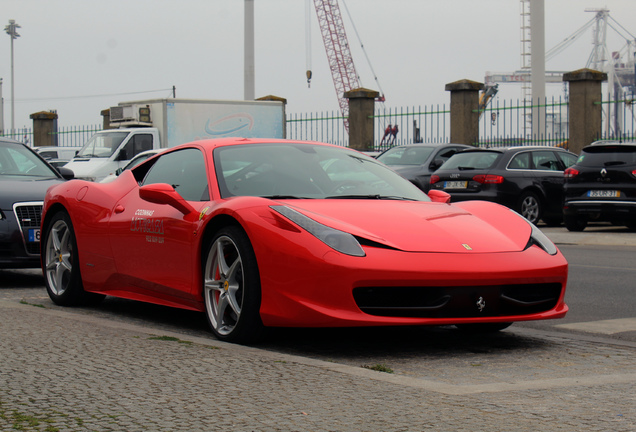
[278,99]
[44,128]
[105,118]
[361,106]
[464,111]
[585,116]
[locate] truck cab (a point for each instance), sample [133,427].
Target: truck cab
[111,149]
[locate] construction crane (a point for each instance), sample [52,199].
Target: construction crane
[334,36]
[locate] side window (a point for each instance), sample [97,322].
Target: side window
[445,154]
[545,161]
[137,144]
[184,170]
[568,159]
[520,161]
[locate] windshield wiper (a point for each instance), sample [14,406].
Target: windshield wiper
[285,197]
[376,196]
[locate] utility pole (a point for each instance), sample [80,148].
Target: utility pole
[11,31]
[248,86]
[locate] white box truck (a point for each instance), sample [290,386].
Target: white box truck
[160,123]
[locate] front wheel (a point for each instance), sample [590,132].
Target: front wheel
[231,287]
[574,223]
[530,207]
[61,264]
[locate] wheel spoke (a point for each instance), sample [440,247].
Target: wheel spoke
[223,285]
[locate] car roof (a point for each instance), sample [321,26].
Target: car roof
[10,141]
[515,149]
[614,142]
[598,146]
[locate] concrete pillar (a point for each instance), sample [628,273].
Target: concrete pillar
[585,116]
[44,128]
[105,118]
[464,111]
[361,106]
[284,101]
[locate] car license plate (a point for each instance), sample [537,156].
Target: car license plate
[604,194]
[34,235]
[455,185]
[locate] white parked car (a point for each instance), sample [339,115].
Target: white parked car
[133,163]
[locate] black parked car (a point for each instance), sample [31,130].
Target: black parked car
[24,179]
[416,162]
[601,186]
[526,179]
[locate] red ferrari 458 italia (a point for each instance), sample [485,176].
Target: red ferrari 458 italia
[274,233]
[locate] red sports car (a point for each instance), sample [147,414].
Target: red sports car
[271,233]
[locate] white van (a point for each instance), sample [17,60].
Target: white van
[62,153]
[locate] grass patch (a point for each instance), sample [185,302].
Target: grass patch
[379,368]
[24,302]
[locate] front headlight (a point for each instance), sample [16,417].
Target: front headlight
[542,240]
[339,240]
[537,237]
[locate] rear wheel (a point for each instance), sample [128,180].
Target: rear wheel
[61,264]
[530,207]
[231,289]
[574,223]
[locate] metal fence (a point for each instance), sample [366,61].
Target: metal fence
[66,136]
[502,123]
[393,126]
[507,123]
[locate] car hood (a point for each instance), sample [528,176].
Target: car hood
[12,191]
[467,227]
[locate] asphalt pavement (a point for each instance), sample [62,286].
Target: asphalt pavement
[73,369]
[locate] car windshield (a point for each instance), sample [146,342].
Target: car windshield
[17,161]
[602,156]
[293,170]
[471,160]
[102,145]
[406,155]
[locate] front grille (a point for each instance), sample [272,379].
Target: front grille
[29,216]
[457,302]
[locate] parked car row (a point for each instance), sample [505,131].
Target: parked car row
[541,183]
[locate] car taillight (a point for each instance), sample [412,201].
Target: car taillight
[570,173]
[434,179]
[488,179]
[634,173]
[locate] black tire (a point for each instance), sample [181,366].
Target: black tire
[574,223]
[553,221]
[530,207]
[232,287]
[61,264]
[483,327]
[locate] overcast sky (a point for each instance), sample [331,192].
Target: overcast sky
[81,56]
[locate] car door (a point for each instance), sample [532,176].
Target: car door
[548,171]
[154,244]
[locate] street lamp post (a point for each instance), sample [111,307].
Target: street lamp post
[11,31]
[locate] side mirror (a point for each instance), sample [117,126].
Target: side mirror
[439,196]
[67,173]
[163,193]
[119,171]
[436,164]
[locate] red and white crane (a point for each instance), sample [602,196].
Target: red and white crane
[334,36]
